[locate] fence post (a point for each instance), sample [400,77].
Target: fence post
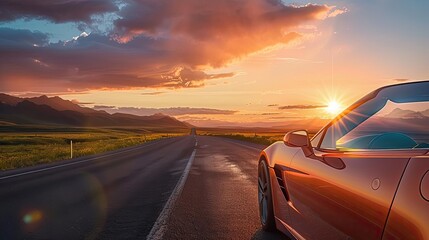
[71,148]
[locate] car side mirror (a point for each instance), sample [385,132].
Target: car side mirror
[300,139]
[297,139]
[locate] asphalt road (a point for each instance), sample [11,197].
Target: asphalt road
[219,199]
[127,194]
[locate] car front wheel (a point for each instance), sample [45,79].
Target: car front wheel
[266,213]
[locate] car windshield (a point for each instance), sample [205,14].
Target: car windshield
[395,117]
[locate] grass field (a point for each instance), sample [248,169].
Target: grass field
[31,147]
[260,137]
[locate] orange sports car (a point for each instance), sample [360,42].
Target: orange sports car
[365,175]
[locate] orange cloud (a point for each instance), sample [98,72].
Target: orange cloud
[288,107]
[214,32]
[154,43]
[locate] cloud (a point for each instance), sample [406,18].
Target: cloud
[38,94]
[336,11]
[103,107]
[174,111]
[214,32]
[289,107]
[272,105]
[286,117]
[75,101]
[153,44]
[185,77]
[270,113]
[55,10]
[152,93]
[20,38]
[29,61]
[294,60]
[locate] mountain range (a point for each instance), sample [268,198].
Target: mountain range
[45,110]
[401,113]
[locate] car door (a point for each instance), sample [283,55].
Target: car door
[343,195]
[409,215]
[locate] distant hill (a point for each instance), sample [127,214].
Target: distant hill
[45,110]
[56,103]
[400,113]
[426,112]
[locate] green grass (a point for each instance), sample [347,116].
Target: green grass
[259,138]
[263,138]
[26,148]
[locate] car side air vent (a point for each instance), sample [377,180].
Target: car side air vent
[279,175]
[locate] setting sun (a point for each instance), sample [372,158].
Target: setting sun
[333,107]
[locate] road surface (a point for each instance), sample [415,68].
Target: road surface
[168,189]
[219,200]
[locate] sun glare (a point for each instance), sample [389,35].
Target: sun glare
[333,107]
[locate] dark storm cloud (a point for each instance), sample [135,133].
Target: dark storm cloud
[289,107]
[55,10]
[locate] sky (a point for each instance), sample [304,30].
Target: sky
[212,63]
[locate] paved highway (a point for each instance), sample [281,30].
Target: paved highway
[168,189]
[219,200]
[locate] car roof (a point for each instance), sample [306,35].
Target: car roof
[401,84]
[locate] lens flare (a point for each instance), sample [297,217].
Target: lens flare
[32,217]
[333,107]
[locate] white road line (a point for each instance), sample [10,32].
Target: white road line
[73,163]
[160,227]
